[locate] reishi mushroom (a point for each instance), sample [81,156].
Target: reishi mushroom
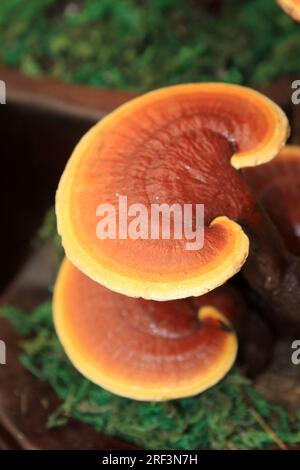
[277,187]
[180,144]
[291,7]
[143,349]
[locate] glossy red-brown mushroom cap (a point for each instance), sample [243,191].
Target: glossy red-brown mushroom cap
[140,349]
[178,145]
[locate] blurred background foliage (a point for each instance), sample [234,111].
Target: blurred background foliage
[142,44]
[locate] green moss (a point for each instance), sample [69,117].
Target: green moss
[48,232]
[140,45]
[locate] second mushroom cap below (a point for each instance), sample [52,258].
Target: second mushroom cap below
[144,350]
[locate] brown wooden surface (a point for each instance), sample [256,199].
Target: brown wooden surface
[78,101]
[39,126]
[25,402]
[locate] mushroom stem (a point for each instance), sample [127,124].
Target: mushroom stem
[271,270]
